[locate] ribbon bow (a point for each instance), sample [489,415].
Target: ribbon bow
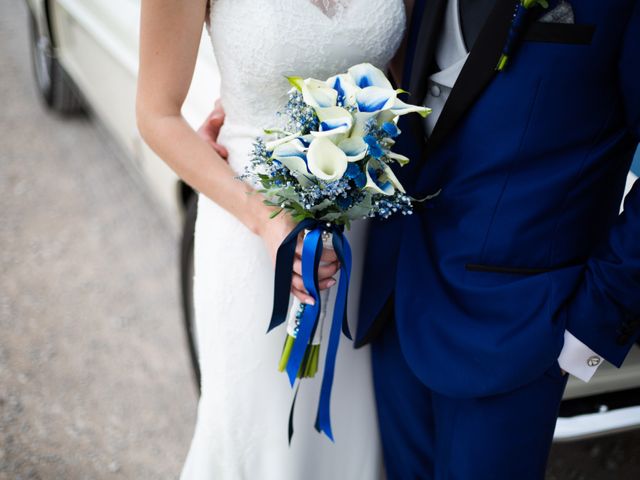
[311,254]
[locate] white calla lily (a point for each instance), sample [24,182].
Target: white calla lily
[388,116]
[333,121]
[293,156]
[366,75]
[272,145]
[375,99]
[401,108]
[401,159]
[361,119]
[325,160]
[354,147]
[315,93]
[346,88]
[376,181]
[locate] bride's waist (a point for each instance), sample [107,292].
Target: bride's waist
[238,138]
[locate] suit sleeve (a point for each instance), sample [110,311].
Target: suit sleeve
[604,313]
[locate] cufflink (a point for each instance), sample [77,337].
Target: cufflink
[594,361]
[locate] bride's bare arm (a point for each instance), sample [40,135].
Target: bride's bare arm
[170,32]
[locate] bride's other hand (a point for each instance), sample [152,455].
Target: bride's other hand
[210,129]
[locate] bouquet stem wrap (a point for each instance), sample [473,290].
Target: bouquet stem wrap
[309,366]
[311,254]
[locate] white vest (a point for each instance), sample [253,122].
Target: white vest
[451,54]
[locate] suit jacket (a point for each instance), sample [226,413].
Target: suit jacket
[525,238]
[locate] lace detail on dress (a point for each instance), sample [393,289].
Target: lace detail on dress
[257,43]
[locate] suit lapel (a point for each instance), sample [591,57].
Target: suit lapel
[427,19]
[473,15]
[477,72]
[425,45]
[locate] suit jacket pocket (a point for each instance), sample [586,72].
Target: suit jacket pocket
[511,270]
[477,267]
[569,33]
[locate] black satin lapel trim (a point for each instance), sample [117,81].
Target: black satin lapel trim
[473,15]
[477,72]
[428,33]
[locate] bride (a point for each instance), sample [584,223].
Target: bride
[241,432]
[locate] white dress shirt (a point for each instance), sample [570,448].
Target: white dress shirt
[450,56]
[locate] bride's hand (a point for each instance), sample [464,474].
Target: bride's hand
[273,232]
[210,129]
[329,266]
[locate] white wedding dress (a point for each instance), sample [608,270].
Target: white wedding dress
[241,431]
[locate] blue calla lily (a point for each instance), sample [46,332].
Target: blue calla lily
[366,75]
[376,179]
[293,156]
[345,87]
[333,121]
[375,99]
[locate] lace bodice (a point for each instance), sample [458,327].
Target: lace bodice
[257,43]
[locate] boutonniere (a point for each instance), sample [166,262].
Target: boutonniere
[523,8]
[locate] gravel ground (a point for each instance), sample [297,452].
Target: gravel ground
[94,377]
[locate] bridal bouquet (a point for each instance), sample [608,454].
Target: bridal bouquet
[327,165]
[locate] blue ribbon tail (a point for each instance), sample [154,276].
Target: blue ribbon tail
[323,417]
[311,253]
[282,284]
[343,252]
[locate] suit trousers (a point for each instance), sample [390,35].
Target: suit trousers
[426,435]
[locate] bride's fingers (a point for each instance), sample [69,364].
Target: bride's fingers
[328,254]
[324,271]
[298,284]
[303,297]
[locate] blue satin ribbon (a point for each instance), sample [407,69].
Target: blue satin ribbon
[311,254]
[323,417]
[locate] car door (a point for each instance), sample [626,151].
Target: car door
[97,43]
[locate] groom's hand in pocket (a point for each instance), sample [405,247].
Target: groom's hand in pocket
[329,266]
[210,129]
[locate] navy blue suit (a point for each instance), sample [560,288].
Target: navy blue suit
[466,301]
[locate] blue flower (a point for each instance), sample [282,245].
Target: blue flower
[375,150]
[344,202]
[355,173]
[391,129]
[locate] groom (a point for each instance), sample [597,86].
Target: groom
[521,268]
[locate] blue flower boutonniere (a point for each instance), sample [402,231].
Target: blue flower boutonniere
[523,8]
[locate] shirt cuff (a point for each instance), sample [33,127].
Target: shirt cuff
[578,359]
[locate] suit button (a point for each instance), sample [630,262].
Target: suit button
[594,361]
[435,91]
